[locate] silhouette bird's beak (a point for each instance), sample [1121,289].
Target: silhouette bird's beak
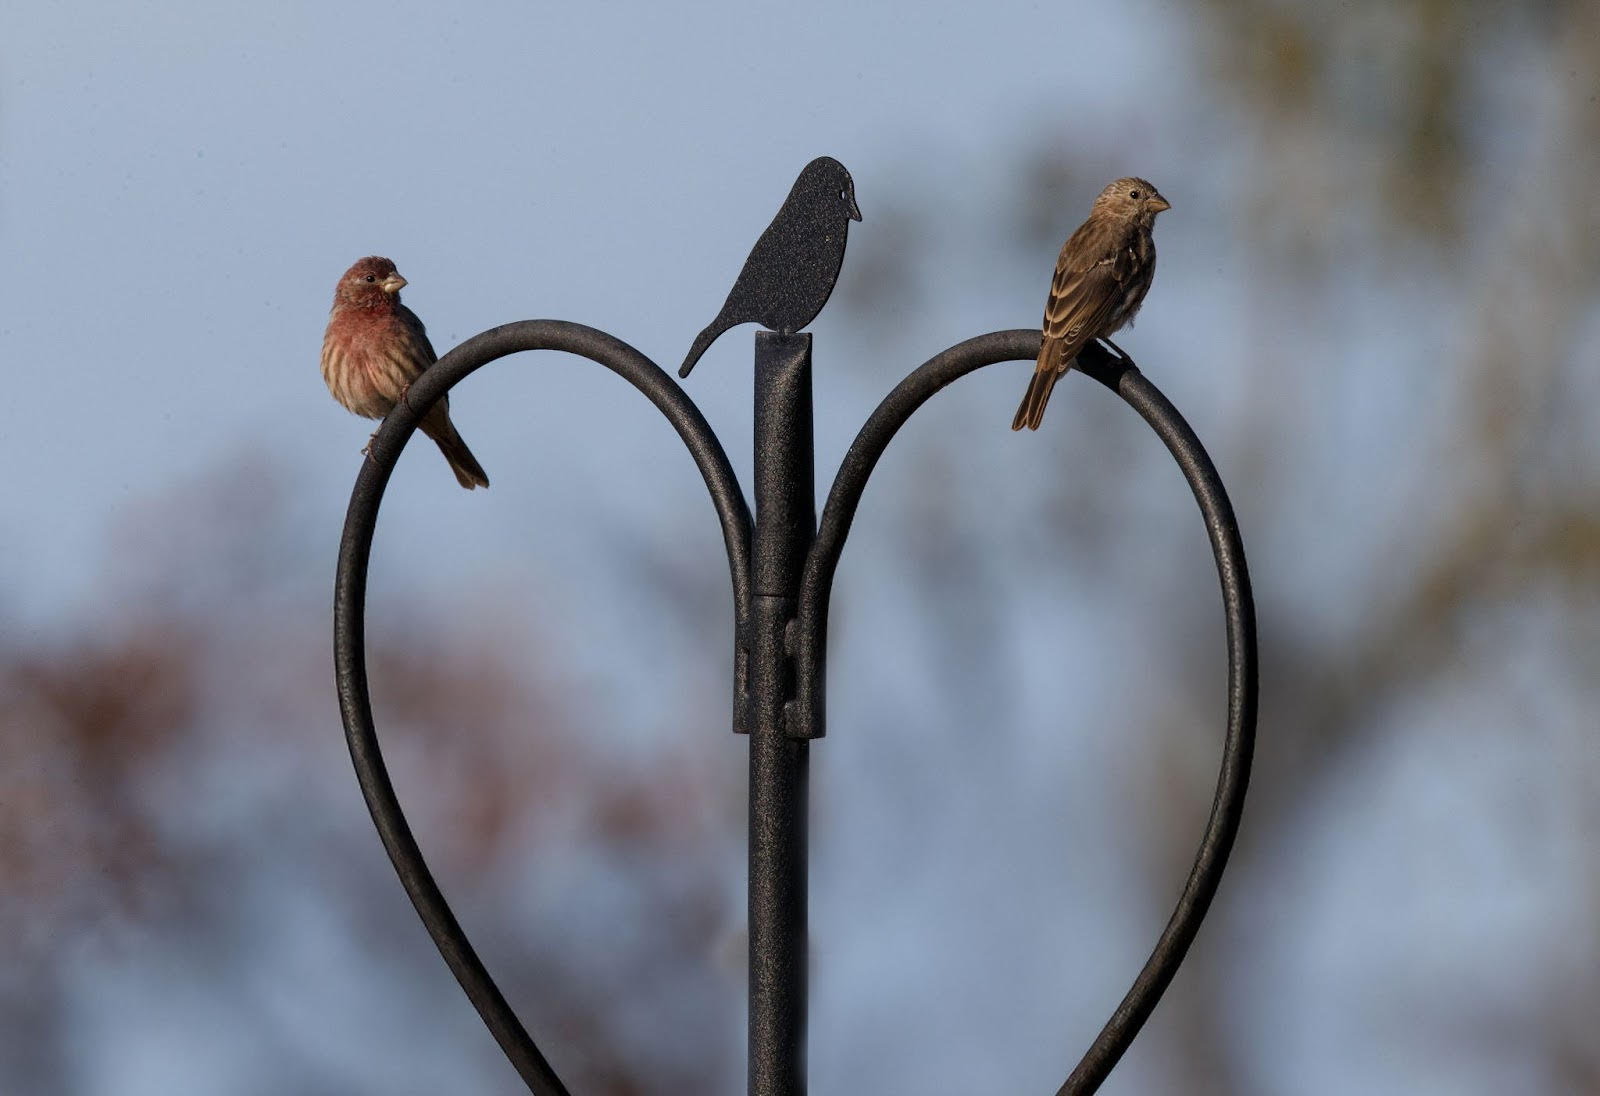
[849,197]
[1159,204]
[394,283]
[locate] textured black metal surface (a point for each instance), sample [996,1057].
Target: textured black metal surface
[1227,806]
[779,764]
[349,626]
[810,634]
[792,268]
[782,567]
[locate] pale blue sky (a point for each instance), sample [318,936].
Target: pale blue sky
[181,184]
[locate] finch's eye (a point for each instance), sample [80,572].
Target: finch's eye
[372,277]
[1134,194]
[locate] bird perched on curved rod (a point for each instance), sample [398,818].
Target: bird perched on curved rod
[1104,271]
[792,269]
[375,347]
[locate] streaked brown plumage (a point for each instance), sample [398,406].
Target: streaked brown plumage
[375,347]
[1104,271]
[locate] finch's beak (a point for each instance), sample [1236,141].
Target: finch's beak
[394,283]
[850,202]
[1158,204]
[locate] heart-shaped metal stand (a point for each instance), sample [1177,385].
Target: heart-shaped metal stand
[782,569]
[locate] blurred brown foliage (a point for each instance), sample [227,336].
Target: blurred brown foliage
[1410,150]
[1379,128]
[159,762]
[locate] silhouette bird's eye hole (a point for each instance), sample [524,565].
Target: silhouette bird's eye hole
[1134,194]
[844,195]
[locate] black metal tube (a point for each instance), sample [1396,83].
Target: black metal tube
[1227,808]
[349,623]
[811,626]
[779,763]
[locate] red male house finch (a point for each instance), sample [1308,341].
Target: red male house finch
[1104,271]
[375,347]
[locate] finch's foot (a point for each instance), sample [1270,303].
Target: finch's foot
[366,450]
[405,394]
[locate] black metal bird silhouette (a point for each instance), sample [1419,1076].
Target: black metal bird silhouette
[791,270]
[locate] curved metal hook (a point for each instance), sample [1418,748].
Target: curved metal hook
[810,638]
[349,622]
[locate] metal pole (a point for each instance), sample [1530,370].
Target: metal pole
[779,762]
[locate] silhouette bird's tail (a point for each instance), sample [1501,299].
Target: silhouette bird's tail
[437,425]
[701,342]
[1045,375]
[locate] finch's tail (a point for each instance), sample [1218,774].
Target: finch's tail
[1030,412]
[469,473]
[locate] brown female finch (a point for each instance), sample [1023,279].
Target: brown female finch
[1102,275]
[375,347]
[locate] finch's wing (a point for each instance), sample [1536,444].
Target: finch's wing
[1084,292]
[416,335]
[1090,278]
